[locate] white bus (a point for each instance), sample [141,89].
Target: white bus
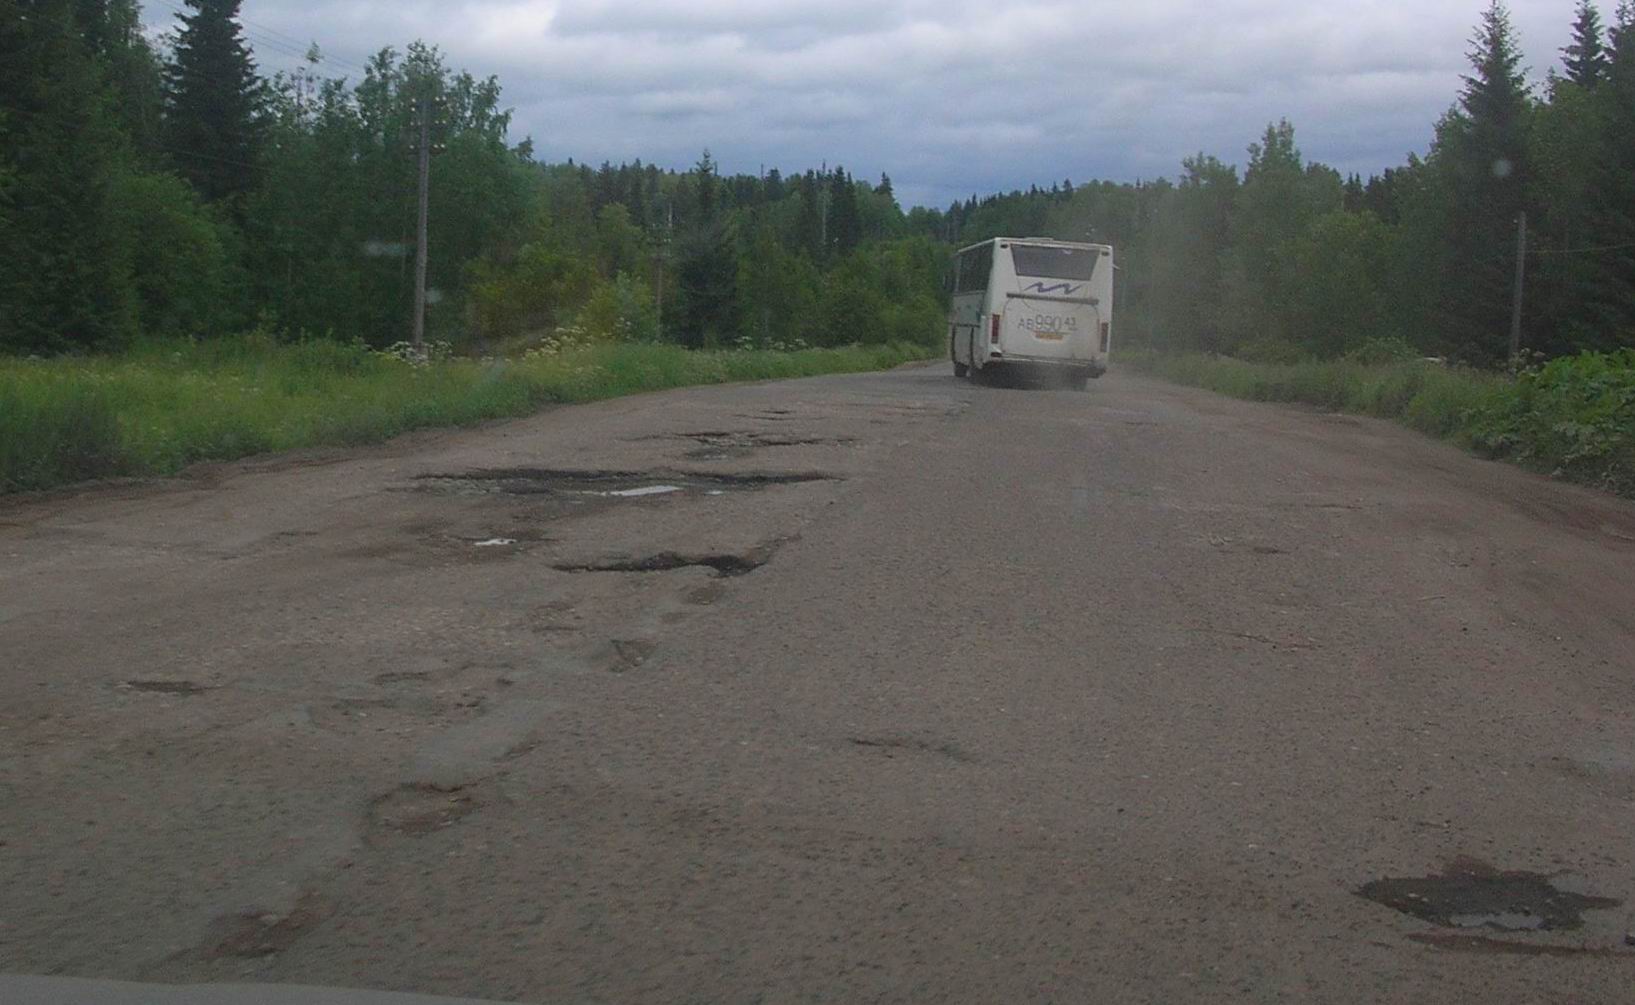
[1032,303]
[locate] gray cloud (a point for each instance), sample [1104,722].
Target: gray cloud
[949,96]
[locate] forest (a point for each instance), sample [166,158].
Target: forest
[179,193]
[157,191]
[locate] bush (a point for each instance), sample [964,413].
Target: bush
[175,254]
[1490,412]
[1574,416]
[620,311]
[540,289]
[1375,351]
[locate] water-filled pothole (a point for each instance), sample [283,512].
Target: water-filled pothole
[1474,895]
[626,485]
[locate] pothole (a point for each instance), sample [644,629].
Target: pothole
[618,485]
[401,677]
[418,810]
[1467,942]
[713,445]
[251,934]
[625,655]
[726,566]
[704,596]
[184,688]
[890,745]
[1473,895]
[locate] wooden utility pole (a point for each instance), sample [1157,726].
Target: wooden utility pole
[420,241]
[662,258]
[1521,282]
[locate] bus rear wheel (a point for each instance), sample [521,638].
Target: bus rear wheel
[960,369]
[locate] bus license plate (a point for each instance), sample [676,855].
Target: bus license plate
[1051,327]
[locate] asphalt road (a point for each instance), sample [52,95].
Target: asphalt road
[910,691]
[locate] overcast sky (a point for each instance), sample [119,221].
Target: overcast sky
[951,97]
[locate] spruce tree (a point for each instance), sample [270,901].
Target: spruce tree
[1482,154]
[706,266]
[1356,196]
[708,183]
[845,222]
[213,126]
[809,224]
[1610,301]
[1586,57]
[132,70]
[63,284]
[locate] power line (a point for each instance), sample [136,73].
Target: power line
[278,42]
[1581,251]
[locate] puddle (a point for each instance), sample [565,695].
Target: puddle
[572,484]
[1465,942]
[495,542]
[1474,895]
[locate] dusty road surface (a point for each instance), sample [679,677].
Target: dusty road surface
[870,688]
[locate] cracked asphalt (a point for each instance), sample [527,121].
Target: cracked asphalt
[863,688]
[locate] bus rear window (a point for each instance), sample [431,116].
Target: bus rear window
[973,269]
[1040,262]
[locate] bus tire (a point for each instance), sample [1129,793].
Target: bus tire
[960,369]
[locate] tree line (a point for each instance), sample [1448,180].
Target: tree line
[182,193]
[176,191]
[1290,259]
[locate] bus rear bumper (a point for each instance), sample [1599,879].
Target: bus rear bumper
[1047,365]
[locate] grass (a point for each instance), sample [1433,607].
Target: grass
[162,406]
[1573,418]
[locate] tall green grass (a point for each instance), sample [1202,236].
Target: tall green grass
[1573,418]
[162,406]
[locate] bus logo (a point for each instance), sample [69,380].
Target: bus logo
[1063,289]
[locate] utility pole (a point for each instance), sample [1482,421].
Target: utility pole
[1521,282]
[662,258]
[419,341]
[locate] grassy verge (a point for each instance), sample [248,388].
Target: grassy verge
[1573,418]
[161,407]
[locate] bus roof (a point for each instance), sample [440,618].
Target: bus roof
[1044,241]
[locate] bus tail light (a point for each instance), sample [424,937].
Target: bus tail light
[993,336]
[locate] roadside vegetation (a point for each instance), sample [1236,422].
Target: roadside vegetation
[1572,417]
[161,406]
